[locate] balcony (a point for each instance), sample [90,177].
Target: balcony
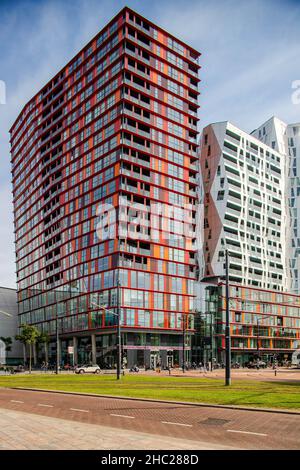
[136,130]
[137,101]
[134,115]
[136,86]
[135,160]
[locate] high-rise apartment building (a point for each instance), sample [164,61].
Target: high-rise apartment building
[285,138]
[243,192]
[247,184]
[104,176]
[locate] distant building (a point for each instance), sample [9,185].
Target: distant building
[243,192]
[9,324]
[285,138]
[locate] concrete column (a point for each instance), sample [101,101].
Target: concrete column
[59,352]
[94,357]
[75,350]
[46,346]
[34,354]
[147,358]
[180,358]
[24,354]
[163,356]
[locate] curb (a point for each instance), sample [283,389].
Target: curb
[170,402]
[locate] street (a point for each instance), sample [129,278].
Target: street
[34,420]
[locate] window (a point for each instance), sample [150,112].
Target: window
[238,317]
[220,196]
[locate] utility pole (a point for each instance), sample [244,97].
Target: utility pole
[183,343]
[118,333]
[211,341]
[57,336]
[119,351]
[257,341]
[243,347]
[227,327]
[57,343]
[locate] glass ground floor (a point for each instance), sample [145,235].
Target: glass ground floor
[149,350]
[244,357]
[206,355]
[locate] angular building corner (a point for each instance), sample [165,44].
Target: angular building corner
[104,180]
[245,181]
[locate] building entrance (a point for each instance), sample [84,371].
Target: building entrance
[170,359]
[155,360]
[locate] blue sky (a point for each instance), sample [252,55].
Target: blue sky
[250,57]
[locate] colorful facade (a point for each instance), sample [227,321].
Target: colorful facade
[263,324]
[104,186]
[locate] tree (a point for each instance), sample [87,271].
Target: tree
[44,339]
[28,335]
[8,342]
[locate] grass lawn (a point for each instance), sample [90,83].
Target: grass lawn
[242,392]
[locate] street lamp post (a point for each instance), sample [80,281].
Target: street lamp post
[227,327]
[211,341]
[57,344]
[257,341]
[183,343]
[57,338]
[119,351]
[118,315]
[243,348]
[211,333]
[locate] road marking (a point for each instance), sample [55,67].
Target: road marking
[77,409]
[16,401]
[46,406]
[122,416]
[178,424]
[247,432]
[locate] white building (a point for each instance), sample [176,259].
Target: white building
[243,191]
[285,138]
[9,326]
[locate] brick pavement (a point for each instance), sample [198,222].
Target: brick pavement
[229,427]
[26,431]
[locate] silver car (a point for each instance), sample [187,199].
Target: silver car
[88,369]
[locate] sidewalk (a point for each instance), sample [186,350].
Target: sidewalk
[25,431]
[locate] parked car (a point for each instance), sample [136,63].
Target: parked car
[261,364]
[88,369]
[296,358]
[256,364]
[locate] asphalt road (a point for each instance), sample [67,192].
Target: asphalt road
[239,429]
